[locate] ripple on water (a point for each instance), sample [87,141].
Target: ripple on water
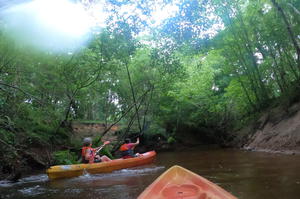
[140,170]
[72,191]
[6,183]
[33,191]
[135,171]
[34,178]
[30,179]
[121,173]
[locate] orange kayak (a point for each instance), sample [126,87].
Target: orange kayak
[67,171]
[180,183]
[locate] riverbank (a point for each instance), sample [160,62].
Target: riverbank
[276,131]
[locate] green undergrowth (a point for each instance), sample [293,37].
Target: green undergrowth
[64,157]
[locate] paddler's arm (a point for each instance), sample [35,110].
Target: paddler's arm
[136,143]
[100,147]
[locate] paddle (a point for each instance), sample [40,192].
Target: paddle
[98,149]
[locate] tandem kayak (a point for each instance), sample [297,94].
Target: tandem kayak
[180,183]
[67,171]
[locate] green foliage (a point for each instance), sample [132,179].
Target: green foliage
[171,140]
[107,151]
[97,140]
[7,136]
[156,128]
[235,95]
[64,157]
[76,143]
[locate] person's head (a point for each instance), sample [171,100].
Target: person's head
[127,140]
[87,141]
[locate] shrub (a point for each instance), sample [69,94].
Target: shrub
[171,140]
[64,157]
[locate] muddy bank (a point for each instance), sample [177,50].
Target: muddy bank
[276,131]
[84,129]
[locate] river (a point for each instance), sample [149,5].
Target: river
[247,175]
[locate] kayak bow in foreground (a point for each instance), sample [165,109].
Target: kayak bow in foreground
[180,183]
[67,171]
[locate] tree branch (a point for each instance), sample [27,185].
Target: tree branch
[295,9]
[123,115]
[21,90]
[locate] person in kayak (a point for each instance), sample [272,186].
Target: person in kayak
[89,154]
[128,147]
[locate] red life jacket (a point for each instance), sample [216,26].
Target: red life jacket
[124,147]
[127,151]
[92,155]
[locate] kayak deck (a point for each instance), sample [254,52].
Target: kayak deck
[68,171]
[180,183]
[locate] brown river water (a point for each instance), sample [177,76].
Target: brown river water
[247,175]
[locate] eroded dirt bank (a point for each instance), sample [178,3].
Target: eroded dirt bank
[277,131]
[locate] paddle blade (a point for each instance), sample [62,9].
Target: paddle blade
[106,142]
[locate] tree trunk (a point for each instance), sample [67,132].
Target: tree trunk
[250,76]
[133,96]
[291,65]
[289,30]
[254,76]
[147,108]
[124,114]
[293,70]
[249,48]
[247,94]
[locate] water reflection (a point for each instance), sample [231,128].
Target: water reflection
[248,175]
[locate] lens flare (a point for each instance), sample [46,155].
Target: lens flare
[50,24]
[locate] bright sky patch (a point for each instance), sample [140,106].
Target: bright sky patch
[53,24]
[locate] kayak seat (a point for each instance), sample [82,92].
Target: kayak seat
[184,191]
[127,156]
[204,196]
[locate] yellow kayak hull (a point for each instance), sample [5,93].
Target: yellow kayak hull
[180,183]
[68,171]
